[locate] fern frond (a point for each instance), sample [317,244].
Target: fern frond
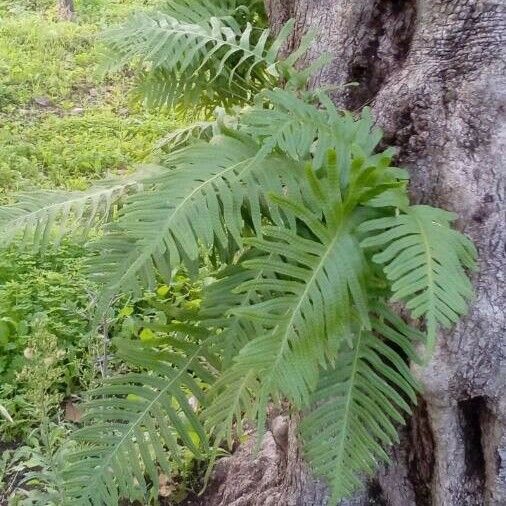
[424,260]
[221,298]
[198,130]
[357,403]
[135,424]
[305,132]
[307,287]
[196,204]
[180,137]
[214,57]
[185,96]
[38,217]
[224,415]
[304,312]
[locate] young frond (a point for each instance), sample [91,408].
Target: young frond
[424,260]
[357,403]
[136,423]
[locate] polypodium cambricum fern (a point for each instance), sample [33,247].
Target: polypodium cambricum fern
[201,58]
[295,311]
[357,402]
[209,191]
[424,260]
[312,232]
[38,216]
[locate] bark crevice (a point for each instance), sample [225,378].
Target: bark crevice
[472,413]
[389,27]
[421,454]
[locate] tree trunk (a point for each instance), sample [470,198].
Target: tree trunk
[66,11]
[433,72]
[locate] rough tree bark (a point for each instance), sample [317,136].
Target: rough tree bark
[433,72]
[66,11]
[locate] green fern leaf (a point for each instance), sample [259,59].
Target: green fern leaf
[212,56]
[194,11]
[180,137]
[220,299]
[135,423]
[307,288]
[356,404]
[305,132]
[196,204]
[224,416]
[41,216]
[424,261]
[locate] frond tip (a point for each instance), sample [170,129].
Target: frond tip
[356,405]
[424,260]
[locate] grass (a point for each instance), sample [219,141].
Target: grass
[63,124]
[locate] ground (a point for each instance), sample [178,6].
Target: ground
[62,122]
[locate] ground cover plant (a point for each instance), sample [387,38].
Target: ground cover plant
[63,124]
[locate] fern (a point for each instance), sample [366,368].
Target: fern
[235,11]
[198,202]
[355,407]
[312,276]
[201,58]
[37,216]
[293,312]
[224,414]
[133,419]
[180,137]
[424,260]
[220,298]
[301,130]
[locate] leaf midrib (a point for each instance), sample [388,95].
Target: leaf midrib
[304,293]
[347,409]
[429,313]
[45,211]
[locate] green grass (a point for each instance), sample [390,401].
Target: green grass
[63,124]
[68,150]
